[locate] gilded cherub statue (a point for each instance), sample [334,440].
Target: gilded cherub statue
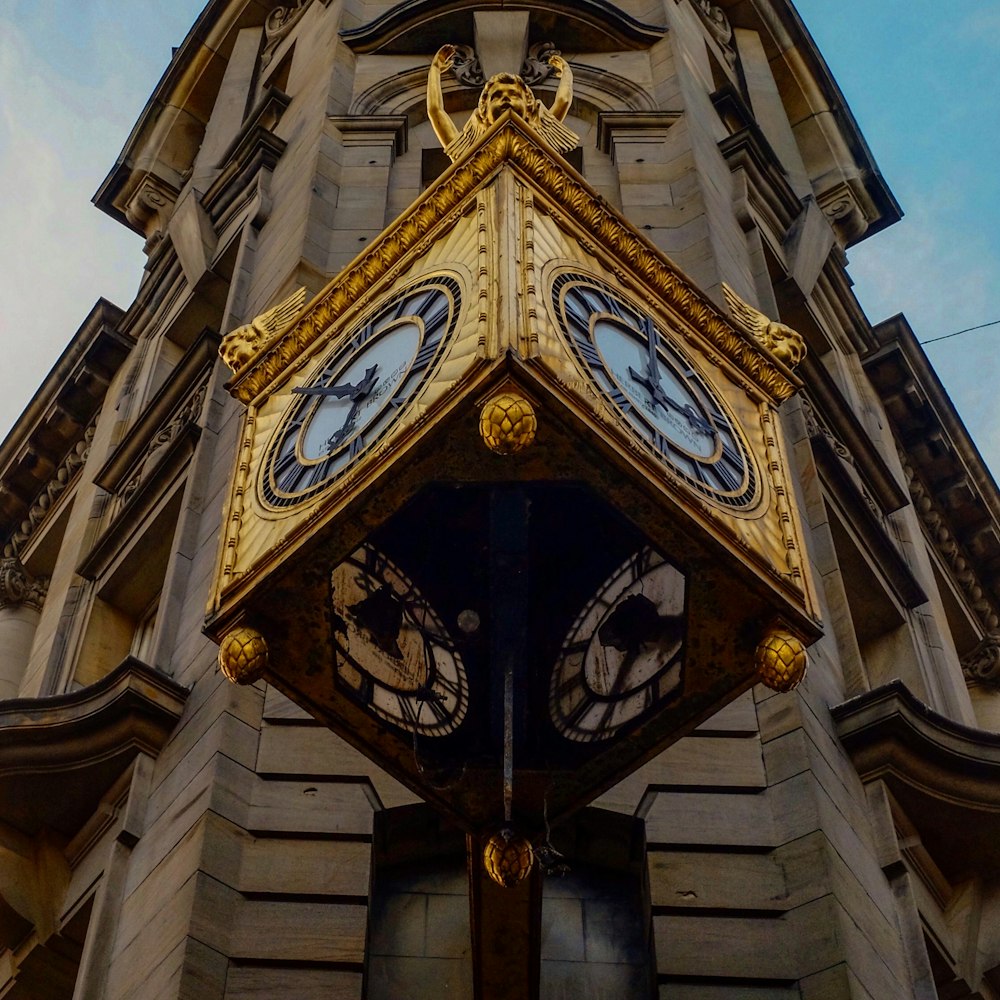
[503,92]
[782,341]
[240,345]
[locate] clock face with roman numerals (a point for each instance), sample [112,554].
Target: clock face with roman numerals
[358,392]
[656,390]
[623,657]
[392,652]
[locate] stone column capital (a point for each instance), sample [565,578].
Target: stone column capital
[18,588]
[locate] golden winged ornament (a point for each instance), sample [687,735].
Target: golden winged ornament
[503,92]
[781,341]
[240,345]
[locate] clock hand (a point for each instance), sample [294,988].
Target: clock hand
[326,390]
[357,397]
[340,391]
[657,395]
[651,381]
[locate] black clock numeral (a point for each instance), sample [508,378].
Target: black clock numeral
[620,399]
[357,446]
[424,356]
[728,481]
[450,686]
[662,443]
[732,456]
[575,715]
[590,354]
[438,709]
[362,336]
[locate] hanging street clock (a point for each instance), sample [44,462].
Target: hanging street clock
[656,390]
[511,509]
[358,391]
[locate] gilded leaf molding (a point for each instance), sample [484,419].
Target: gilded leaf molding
[982,665]
[566,197]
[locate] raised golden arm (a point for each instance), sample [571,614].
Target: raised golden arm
[444,127]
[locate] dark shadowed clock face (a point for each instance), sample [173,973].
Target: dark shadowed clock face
[359,392]
[656,390]
[392,652]
[623,656]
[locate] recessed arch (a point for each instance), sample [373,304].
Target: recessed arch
[405,93]
[424,25]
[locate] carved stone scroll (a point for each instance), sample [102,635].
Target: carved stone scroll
[278,26]
[982,665]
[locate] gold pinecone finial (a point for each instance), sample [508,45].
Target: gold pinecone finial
[508,424]
[781,660]
[508,858]
[243,655]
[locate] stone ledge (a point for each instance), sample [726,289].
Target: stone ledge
[59,755]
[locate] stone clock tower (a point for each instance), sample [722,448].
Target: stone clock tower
[447,635]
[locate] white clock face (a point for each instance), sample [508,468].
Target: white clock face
[392,652]
[623,657]
[656,390]
[359,392]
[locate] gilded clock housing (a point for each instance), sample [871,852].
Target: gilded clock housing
[615,574]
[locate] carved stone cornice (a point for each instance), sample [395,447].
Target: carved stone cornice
[51,439]
[982,665]
[513,143]
[18,588]
[952,490]
[247,164]
[59,482]
[59,755]
[956,558]
[945,776]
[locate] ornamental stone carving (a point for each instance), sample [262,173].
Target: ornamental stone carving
[18,588]
[467,68]
[240,345]
[55,487]
[278,26]
[782,341]
[184,418]
[982,665]
[954,555]
[150,208]
[718,26]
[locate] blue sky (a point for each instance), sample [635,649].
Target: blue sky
[920,79]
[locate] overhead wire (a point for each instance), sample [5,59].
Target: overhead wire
[968,329]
